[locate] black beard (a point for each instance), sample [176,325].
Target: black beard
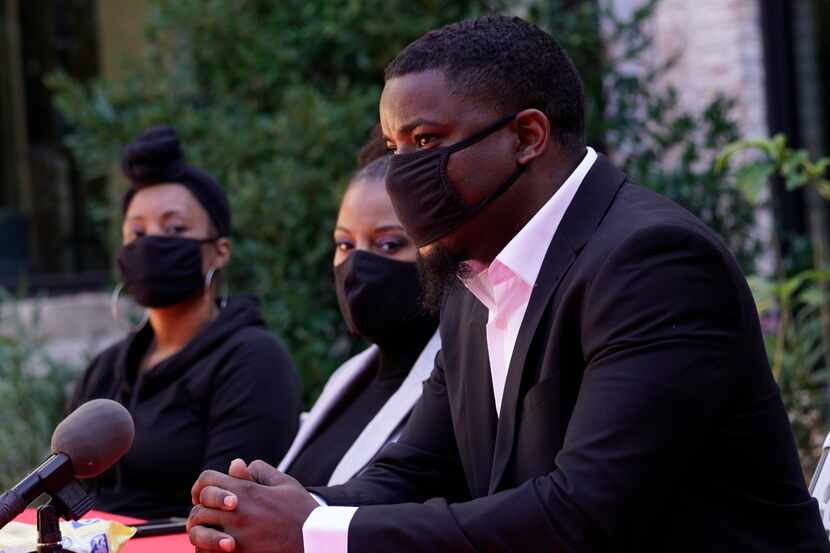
[439,272]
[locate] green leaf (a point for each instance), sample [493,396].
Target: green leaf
[795,180]
[751,179]
[764,290]
[812,296]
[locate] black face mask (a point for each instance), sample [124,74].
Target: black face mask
[423,197]
[161,270]
[379,297]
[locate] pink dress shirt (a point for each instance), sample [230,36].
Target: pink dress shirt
[504,288]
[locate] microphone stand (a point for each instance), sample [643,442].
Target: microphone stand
[49,538]
[70,502]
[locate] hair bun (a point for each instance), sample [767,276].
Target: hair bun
[155,156]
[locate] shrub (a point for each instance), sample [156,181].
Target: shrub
[275,99]
[33,394]
[793,303]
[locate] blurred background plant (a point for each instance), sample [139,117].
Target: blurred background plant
[275,98]
[792,302]
[634,115]
[33,392]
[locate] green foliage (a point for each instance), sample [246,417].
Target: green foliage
[794,304]
[691,180]
[795,166]
[797,343]
[33,394]
[275,99]
[636,117]
[791,315]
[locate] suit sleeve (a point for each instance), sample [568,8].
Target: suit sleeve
[659,325]
[255,405]
[423,463]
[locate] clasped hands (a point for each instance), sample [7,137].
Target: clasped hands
[253,509]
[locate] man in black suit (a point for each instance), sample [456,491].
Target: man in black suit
[603,384]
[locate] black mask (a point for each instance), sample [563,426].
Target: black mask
[424,200]
[379,297]
[161,270]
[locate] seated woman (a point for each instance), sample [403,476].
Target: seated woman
[367,400]
[203,378]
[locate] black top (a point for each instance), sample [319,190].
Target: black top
[639,413]
[232,391]
[316,462]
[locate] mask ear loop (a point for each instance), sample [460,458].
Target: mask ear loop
[464,144]
[223,299]
[116,294]
[482,134]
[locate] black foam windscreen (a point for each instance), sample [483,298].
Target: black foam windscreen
[94,436]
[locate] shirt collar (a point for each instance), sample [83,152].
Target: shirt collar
[524,254]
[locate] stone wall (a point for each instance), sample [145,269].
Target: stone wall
[74,327]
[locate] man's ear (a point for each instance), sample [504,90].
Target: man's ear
[533,132]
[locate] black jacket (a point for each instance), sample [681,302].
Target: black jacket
[639,413]
[232,391]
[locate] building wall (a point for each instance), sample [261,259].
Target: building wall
[119,34]
[719,50]
[811,103]
[78,326]
[14,167]
[718,47]
[74,327]
[721,53]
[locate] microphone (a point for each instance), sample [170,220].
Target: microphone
[85,444]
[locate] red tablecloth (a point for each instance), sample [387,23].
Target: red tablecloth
[177,543]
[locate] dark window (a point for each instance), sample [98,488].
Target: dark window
[797,66]
[46,236]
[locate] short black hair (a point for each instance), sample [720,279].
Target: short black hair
[505,60]
[372,159]
[374,147]
[374,170]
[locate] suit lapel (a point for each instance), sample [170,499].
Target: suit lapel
[581,219]
[332,393]
[479,404]
[389,418]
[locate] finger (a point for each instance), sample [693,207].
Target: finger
[208,539]
[210,478]
[204,516]
[239,469]
[265,474]
[218,498]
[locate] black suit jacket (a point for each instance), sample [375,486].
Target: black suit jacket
[639,413]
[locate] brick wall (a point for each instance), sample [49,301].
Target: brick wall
[719,49]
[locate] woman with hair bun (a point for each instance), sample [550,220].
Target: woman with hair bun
[203,378]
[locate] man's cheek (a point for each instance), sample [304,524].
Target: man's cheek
[463,183]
